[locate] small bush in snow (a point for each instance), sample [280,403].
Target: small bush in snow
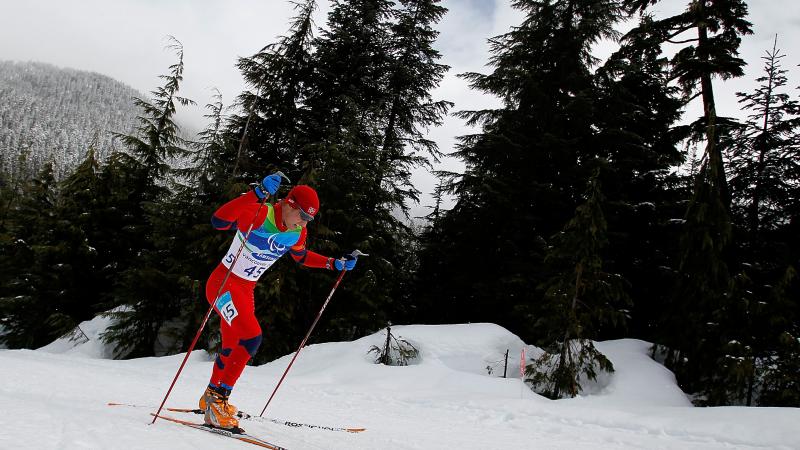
[395,352]
[557,372]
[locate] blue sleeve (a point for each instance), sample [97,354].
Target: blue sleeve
[222,224]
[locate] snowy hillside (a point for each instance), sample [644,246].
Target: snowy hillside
[55,398]
[56,113]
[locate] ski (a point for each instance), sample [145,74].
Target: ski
[244,437]
[245,416]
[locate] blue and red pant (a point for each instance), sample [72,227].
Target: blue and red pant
[241,333]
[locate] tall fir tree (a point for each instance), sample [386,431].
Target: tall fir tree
[413,73]
[270,133]
[328,117]
[763,158]
[711,33]
[148,292]
[765,163]
[26,309]
[366,119]
[525,170]
[639,136]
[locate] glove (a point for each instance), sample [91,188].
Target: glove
[346,262]
[269,186]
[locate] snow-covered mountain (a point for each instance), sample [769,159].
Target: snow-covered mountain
[57,113]
[56,398]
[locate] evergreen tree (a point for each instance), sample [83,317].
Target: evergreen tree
[414,72]
[82,286]
[638,135]
[701,299]
[148,291]
[713,52]
[525,171]
[703,282]
[580,299]
[765,157]
[29,301]
[322,111]
[156,141]
[365,122]
[271,134]
[763,160]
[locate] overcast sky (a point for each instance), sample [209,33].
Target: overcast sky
[125,39]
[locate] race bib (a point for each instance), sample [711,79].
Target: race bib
[226,308]
[252,261]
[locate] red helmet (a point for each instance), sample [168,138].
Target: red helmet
[305,199]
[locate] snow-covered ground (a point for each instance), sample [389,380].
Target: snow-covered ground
[56,398]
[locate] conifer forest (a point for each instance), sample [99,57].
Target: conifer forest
[591,207]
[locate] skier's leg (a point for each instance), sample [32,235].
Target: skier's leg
[242,352]
[237,315]
[240,341]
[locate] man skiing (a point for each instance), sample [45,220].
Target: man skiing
[277,228]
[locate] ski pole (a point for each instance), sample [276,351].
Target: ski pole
[211,307]
[355,253]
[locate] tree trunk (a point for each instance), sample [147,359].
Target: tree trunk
[713,151]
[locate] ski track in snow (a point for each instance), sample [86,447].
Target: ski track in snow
[55,398]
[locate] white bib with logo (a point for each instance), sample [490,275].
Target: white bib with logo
[252,261]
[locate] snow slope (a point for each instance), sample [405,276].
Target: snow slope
[55,398]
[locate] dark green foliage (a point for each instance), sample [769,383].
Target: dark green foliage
[712,33]
[557,373]
[701,288]
[153,289]
[30,314]
[369,99]
[709,257]
[580,299]
[703,304]
[781,384]
[51,264]
[271,134]
[764,159]
[638,135]
[525,172]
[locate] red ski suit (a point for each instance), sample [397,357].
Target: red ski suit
[268,241]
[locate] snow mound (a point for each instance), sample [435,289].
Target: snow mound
[84,341]
[452,362]
[637,378]
[447,399]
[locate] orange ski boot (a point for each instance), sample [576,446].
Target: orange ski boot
[218,412]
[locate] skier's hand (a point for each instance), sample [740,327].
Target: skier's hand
[346,262]
[269,185]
